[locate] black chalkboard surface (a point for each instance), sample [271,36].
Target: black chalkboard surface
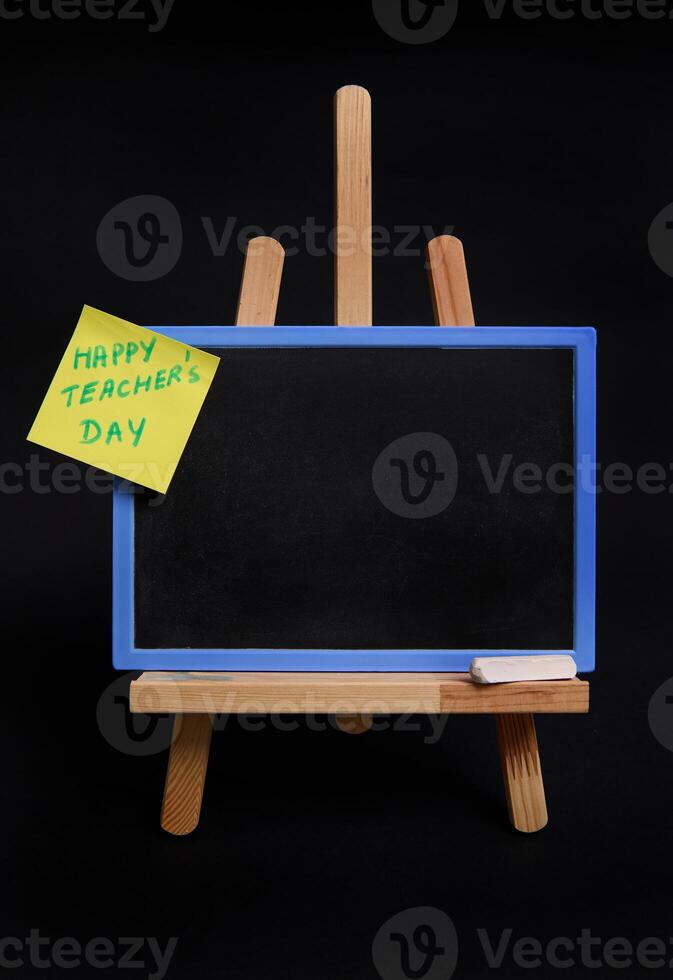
[344,498]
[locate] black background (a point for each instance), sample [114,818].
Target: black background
[284,544]
[547,146]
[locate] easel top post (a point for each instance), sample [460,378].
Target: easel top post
[353,211]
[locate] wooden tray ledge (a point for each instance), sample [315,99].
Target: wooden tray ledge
[178,692]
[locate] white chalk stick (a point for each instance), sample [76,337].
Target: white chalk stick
[502,670]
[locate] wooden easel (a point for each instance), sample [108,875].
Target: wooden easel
[194,697]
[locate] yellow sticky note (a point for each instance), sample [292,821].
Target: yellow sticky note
[124,399]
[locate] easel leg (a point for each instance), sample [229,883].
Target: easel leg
[521,770]
[519,756]
[186,774]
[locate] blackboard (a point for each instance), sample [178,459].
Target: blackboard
[363,498]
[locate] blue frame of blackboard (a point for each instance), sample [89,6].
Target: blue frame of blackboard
[582,340]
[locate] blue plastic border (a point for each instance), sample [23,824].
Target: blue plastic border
[581,339]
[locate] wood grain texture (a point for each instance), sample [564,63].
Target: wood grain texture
[353,255]
[522,772]
[186,776]
[349,694]
[449,285]
[353,209]
[260,285]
